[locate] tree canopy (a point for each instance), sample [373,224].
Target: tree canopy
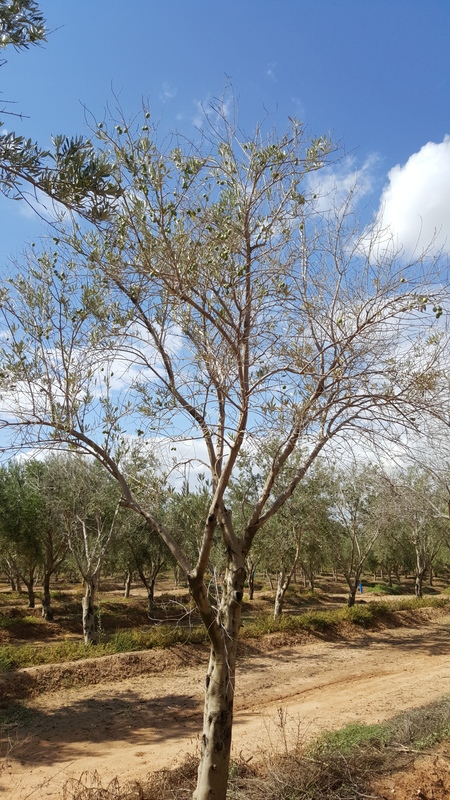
[223,303]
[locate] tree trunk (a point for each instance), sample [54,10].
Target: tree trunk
[251,584]
[282,585]
[127,585]
[47,611]
[430,576]
[219,688]
[30,591]
[351,597]
[150,596]
[251,573]
[418,584]
[89,632]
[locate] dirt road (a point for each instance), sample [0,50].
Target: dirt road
[144,722]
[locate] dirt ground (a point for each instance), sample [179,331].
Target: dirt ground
[128,715]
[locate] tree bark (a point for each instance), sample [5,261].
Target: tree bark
[219,688]
[30,591]
[282,585]
[418,584]
[351,597]
[47,611]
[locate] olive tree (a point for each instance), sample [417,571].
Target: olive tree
[418,500]
[87,503]
[21,522]
[221,305]
[362,517]
[72,172]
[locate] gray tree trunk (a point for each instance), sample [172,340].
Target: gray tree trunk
[418,584]
[219,689]
[282,585]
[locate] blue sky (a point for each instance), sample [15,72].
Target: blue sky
[376,74]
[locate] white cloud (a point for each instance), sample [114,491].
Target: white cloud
[167,93]
[212,112]
[414,212]
[334,185]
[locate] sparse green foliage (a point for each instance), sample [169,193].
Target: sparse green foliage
[240,313]
[72,173]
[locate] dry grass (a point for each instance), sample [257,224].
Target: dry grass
[339,765]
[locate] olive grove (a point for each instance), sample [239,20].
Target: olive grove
[222,306]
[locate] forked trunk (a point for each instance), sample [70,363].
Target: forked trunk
[219,692]
[47,611]
[31,594]
[284,581]
[89,632]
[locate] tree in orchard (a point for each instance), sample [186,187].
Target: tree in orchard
[21,520]
[295,535]
[418,500]
[222,305]
[88,504]
[362,517]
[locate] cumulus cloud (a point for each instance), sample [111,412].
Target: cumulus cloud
[414,210]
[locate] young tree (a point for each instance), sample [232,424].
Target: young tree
[223,304]
[362,518]
[420,506]
[21,521]
[89,505]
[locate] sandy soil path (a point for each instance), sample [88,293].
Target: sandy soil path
[145,722]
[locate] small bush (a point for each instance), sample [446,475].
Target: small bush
[351,736]
[383,588]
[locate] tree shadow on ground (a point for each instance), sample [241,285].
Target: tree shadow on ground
[48,737]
